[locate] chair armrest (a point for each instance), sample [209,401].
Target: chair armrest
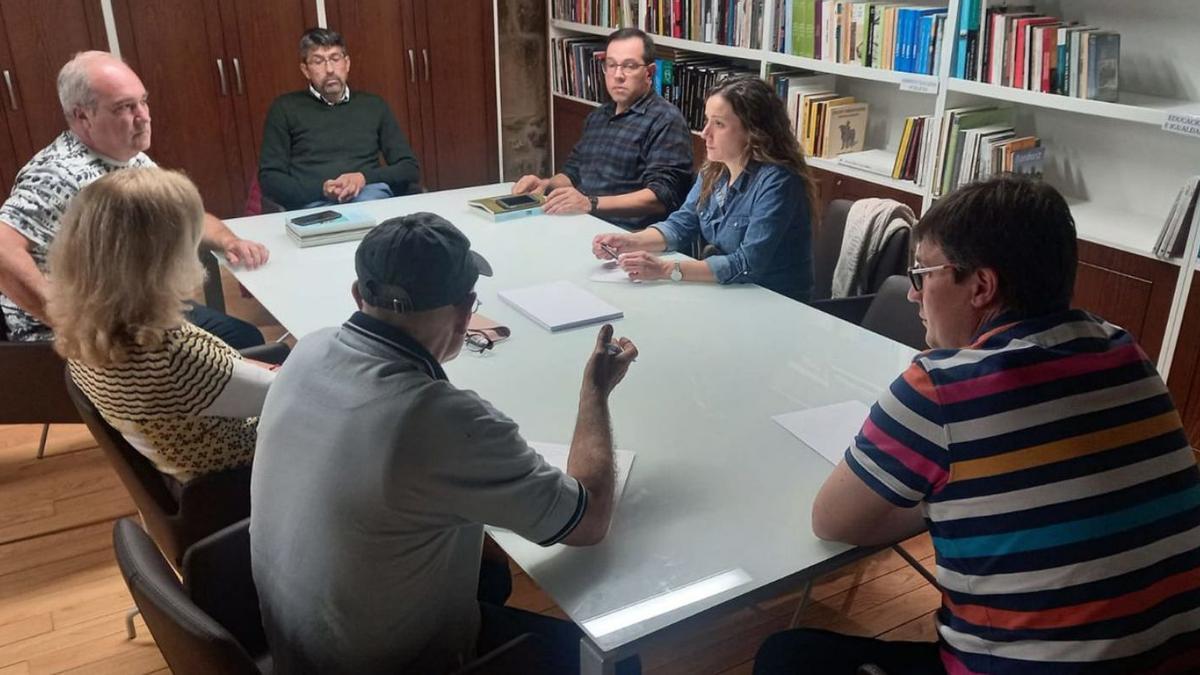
[272,352]
[851,309]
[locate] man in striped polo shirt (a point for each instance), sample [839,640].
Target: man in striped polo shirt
[1040,447]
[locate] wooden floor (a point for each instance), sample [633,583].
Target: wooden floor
[63,602]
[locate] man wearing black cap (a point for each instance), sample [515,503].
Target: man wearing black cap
[373,475]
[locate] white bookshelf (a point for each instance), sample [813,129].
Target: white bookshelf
[1117,166]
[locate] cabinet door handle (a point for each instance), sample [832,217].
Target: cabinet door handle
[224,82]
[237,73]
[412,67]
[425,56]
[12,97]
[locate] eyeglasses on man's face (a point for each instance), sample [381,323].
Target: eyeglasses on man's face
[916,275]
[627,68]
[317,61]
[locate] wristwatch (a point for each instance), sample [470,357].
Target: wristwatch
[595,202]
[676,273]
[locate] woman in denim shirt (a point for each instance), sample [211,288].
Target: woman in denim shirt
[752,201]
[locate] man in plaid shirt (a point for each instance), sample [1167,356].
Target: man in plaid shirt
[633,164]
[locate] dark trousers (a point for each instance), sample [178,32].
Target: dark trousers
[557,640]
[821,652]
[233,332]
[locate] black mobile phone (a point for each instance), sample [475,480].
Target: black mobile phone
[515,201]
[314,218]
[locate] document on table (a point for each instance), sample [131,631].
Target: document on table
[559,305]
[556,455]
[828,429]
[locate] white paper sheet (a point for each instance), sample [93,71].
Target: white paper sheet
[556,456]
[829,429]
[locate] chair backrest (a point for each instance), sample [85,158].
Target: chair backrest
[189,638]
[219,579]
[827,246]
[175,518]
[892,259]
[31,385]
[892,315]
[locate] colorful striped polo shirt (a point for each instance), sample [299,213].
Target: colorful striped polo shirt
[1061,494]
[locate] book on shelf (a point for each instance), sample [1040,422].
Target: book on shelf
[579,68]
[607,13]
[1014,46]
[734,23]
[871,34]
[1172,238]
[687,77]
[845,128]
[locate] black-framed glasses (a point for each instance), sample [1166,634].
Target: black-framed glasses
[627,68]
[318,61]
[916,275]
[478,341]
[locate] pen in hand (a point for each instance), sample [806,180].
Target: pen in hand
[612,252]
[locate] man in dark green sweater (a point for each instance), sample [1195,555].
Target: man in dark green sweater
[323,146]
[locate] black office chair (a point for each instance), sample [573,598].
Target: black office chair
[890,314]
[892,259]
[827,246]
[31,390]
[188,629]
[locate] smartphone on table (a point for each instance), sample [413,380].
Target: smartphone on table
[318,217]
[517,201]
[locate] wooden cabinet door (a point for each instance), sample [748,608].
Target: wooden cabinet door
[41,36]
[176,47]
[457,80]
[384,59]
[262,38]
[1129,290]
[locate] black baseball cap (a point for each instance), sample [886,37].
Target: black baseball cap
[417,262]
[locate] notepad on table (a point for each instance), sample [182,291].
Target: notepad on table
[559,305]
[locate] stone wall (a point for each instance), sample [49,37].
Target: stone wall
[524,94]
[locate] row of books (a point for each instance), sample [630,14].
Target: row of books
[611,13]
[579,68]
[1014,46]
[905,38]
[684,79]
[1172,239]
[736,23]
[974,143]
[826,123]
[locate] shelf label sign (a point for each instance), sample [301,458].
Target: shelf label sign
[919,85]
[1180,123]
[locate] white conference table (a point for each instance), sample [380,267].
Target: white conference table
[718,501]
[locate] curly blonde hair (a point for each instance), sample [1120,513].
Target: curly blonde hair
[123,263]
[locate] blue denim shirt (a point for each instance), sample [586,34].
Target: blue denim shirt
[760,224]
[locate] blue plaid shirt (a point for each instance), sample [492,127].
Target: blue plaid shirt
[760,225]
[647,146]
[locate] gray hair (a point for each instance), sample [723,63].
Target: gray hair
[320,37]
[75,83]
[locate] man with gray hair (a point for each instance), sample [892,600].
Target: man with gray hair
[322,145]
[108,129]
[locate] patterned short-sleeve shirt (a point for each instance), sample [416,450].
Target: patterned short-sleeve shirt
[40,196]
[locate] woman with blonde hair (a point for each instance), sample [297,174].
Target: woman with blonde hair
[753,201]
[121,268]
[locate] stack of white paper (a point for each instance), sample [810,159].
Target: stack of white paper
[559,305]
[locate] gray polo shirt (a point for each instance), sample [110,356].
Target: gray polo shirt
[372,478]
